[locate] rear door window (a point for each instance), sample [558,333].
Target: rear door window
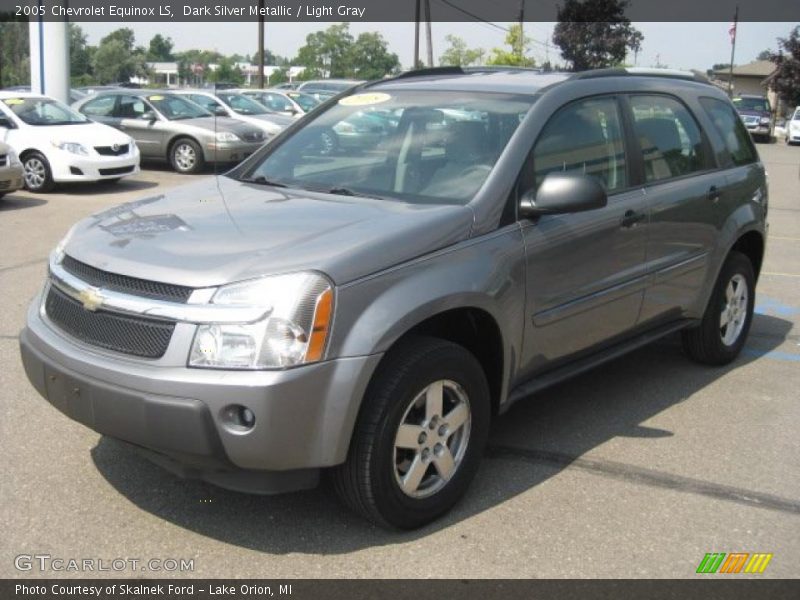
[100,107]
[731,129]
[670,138]
[131,107]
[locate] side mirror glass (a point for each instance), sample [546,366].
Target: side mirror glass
[6,123]
[563,192]
[220,112]
[149,116]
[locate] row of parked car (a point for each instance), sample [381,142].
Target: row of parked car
[105,134]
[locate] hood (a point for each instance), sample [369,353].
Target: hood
[753,113]
[220,230]
[89,134]
[281,120]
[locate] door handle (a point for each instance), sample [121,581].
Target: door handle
[632,217]
[714,194]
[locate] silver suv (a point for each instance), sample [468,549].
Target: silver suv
[368,312]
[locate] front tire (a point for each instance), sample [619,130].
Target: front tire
[723,331]
[186,156]
[420,435]
[37,174]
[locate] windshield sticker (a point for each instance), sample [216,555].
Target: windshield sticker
[14,101]
[155,98]
[365,99]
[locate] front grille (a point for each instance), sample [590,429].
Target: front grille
[125,284]
[136,336]
[116,171]
[110,151]
[255,136]
[3,160]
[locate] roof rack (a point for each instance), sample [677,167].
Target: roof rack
[456,70]
[641,72]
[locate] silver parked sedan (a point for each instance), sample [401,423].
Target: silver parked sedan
[169,127]
[10,170]
[236,106]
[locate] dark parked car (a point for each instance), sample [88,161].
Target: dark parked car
[369,314]
[756,114]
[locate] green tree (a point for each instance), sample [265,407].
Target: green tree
[764,55]
[595,33]
[458,54]
[786,79]
[15,63]
[80,56]
[160,49]
[516,57]
[270,58]
[227,71]
[370,57]
[116,58]
[328,51]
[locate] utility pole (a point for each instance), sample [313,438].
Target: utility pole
[428,31]
[732,31]
[416,34]
[261,44]
[521,31]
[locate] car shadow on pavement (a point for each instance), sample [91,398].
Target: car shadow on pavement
[535,441]
[97,188]
[13,202]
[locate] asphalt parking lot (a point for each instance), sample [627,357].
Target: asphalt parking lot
[636,469]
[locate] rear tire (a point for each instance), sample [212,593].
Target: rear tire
[38,175]
[419,438]
[723,331]
[186,156]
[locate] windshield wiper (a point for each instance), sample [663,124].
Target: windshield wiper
[261,180]
[343,191]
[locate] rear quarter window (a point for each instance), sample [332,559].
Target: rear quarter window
[731,130]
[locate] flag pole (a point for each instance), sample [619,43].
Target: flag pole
[733,49]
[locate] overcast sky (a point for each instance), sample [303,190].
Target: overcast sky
[677,45]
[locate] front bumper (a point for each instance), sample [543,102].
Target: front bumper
[304,416]
[73,167]
[759,129]
[10,178]
[229,152]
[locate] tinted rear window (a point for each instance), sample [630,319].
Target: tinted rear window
[731,129]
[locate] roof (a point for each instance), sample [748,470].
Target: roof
[757,68]
[510,82]
[20,94]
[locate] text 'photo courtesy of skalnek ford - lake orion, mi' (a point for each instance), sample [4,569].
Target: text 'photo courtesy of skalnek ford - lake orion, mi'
[429,298]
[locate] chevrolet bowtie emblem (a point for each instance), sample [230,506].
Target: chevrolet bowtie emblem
[91,298]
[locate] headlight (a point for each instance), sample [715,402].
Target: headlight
[73,147]
[294,331]
[58,251]
[13,159]
[764,120]
[227,136]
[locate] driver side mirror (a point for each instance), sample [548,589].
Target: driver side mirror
[6,123]
[220,112]
[149,116]
[563,192]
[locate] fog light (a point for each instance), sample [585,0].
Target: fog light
[238,418]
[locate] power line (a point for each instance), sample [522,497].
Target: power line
[472,15]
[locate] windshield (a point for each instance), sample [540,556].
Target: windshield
[305,101]
[796,115]
[43,111]
[424,147]
[755,104]
[243,105]
[176,108]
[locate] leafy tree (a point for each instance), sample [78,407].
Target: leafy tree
[328,51]
[516,57]
[116,58]
[764,55]
[370,57]
[786,79]
[595,33]
[458,54]
[160,49]
[227,71]
[270,58]
[80,56]
[15,63]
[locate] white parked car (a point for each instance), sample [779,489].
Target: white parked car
[793,128]
[228,104]
[57,144]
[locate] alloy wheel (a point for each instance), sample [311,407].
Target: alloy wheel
[185,157]
[35,173]
[432,439]
[734,312]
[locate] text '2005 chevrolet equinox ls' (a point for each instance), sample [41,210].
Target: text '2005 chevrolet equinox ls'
[365,312]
